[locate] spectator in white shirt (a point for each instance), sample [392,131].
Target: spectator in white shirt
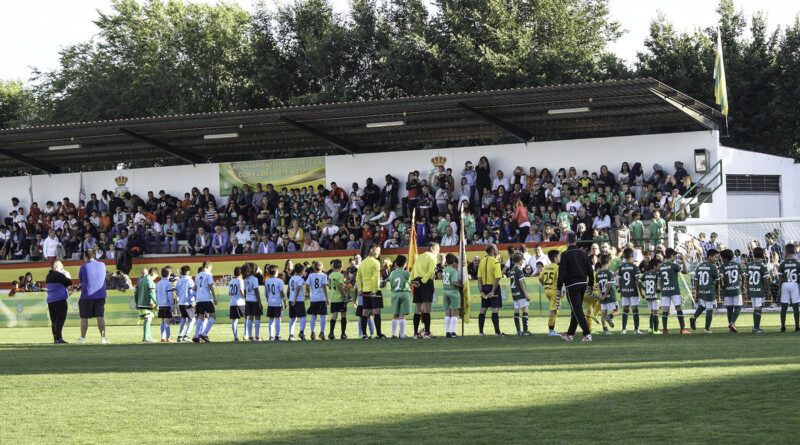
[50,246]
[450,238]
[500,180]
[573,205]
[242,235]
[139,217]
[601,221]
[538,257]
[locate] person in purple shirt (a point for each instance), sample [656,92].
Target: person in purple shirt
[58,284]
[92,303]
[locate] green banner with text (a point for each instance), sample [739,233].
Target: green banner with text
[289,173]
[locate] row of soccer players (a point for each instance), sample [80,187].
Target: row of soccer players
[648,280]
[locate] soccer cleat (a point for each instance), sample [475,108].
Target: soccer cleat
[343,337]
[610,321]
[258,340]
[426,336]
[552,334]
[757,331]
[607,332]
[104,341]
[169,340]
[394,336]
[447,335]
[381,336]
[365,337]
[277,338]
[251,339]
[587,337]
[481,334]
[665,331]
[292,338]
[61,341]
[164,340]
[623,332]
[196,339]
[331,336]
[567,337]
[82,340]
[637,332]
[693,323]
[272,339]
[783,329]
[732,328]
[453,335]
[527,333]
[302,336]
[313,337]
[235,339]
[707,331]
[148,340]
[205,338]
[685,331]
[519,333]
[500,334]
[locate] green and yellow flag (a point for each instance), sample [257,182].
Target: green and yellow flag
[720,86]
[412,244]
[462,267]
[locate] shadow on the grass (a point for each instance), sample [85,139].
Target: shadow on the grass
[544,355]
[724,410]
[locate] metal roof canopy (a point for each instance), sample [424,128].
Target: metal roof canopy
[620,107]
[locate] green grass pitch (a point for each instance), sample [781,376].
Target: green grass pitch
[718,388]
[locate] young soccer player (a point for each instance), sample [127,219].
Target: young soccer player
[549,279]
[184,289]
[789,292]
[757,286]
[146,301]
[732,285]
[451,291]
[253,308]
[165,295]
[297,304]
[336,296]
[591,301]
[628,277]
[273,288]
[608,299]
[519,293]
[649,288]
[401,296]
[236,292]
[706,285]
[670,292]
[317,283]
[205,299]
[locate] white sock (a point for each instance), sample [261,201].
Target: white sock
[183,325]
[394,327]
[192,323]
[313,323]
[453,324]
[303,325]
[322,320]
[235,327]
[209,323]
[258,327]
[402,323]
[371,327]
[292,322]
[278,327]
[271,326]
[248,326]
[447,324]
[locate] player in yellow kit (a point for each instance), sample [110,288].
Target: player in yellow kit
[549,279]
[591,301]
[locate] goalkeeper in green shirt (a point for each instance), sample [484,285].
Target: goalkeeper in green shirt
[401,296]
[336,296]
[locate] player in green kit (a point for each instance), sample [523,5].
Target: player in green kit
[670,292]
[401,296]
[757,285]
[608,299]
[627,277]
[789,290]
[732,286]
[519,293]
[451,287]
[336,293]
[648,284]
[706,286]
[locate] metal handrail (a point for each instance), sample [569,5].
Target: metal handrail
[696,199]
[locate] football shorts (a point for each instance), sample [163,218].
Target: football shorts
[734,301]
[790,293]
[522,303]
[630,301]
[674,300]
[707,304]
[757,301]
[610,307]
[555,302]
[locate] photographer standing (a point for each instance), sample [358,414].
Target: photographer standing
[575,272]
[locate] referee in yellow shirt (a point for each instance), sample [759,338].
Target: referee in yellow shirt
[422,276]
[489,274]
[368,280]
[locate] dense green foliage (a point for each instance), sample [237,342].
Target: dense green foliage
[155,57]
[676,389]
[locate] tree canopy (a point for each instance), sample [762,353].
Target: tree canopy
[156,57]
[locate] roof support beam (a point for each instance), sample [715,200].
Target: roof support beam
[343,145]
[186,155]
[519,133]
[35,163]
[698,116]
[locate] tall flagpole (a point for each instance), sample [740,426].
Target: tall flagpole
[462,250]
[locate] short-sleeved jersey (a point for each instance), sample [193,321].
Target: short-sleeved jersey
[317,282]
[605,280]
[731,279]
[517,277]
[706,275]
[449,277]
[250,287]
[202,285]
[789,269]
[756,272]
[184,290]
[236,291]
[335,279]
[296,282]
[164,292]
[668,278]
[650,284]
[398,281]
[549,277]
[627,275]
[273,288]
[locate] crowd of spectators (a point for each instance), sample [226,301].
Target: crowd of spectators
[527,205]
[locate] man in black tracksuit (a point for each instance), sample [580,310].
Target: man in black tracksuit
[575,272]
